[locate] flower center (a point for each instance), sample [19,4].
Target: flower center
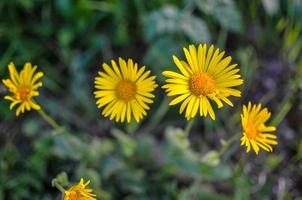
[126,90]
[251,130]
[73,195]
[201,84]
[23,93]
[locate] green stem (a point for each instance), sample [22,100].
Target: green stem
[222,38]
[59,187]
[157,116]
[228,143]
[242,161]
[189,126]
[286,104]
[48,119]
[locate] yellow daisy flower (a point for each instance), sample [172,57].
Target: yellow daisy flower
[79,192]
[124,91]
[205,75]
[23,87]
[255,133]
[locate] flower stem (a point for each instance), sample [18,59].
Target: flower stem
[54,183]
[228,143]
[157,117]
[189,126]
[59,187]
[48,119]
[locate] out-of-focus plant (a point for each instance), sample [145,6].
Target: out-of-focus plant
[224,12]
[167,25]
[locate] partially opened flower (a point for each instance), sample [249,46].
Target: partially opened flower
[124,90]
[23,87]
[79,192]
[204,76]
[255,133]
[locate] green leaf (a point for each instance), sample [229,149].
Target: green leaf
[211,158]
[159,55]
[242,187]
[126,143]
[271,6]
[218,173]
[178,137]
[177,152]
[199,191]
[111,165]
[31,127]
[272,162]
[224,12]
[62,179]
[171,21]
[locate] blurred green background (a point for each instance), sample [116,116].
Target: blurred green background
[153,160]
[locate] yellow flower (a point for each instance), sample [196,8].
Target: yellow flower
[23,87]
[79,192]
[205,75]
[255,132]
[124,91]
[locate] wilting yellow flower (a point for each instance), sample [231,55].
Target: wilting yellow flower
[79,192]
[124,90]
[255,132]
[23,87]
[205,75]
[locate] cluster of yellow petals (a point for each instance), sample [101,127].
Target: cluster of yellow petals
[23,87]
[124,91]
[255,133]
[205,75]
[79,192]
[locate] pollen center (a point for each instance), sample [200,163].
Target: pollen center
[23,93]
[251,130]
[126,90]
[73,195]
[201,84]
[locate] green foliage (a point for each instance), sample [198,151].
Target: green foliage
[168,28]
[115,167]
[171,21]
[224,12]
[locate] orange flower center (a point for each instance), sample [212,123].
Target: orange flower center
[73,195]
[23,93]
[126,90]
[251,130]
[201,84]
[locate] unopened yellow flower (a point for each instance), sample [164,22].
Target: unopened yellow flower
[23,87]
[124,90]
[204,76]
[79,192]
[255,133]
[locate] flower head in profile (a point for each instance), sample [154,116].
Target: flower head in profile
[23,87]
[79,192]
[124,90]
[255,133]
[204,76]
